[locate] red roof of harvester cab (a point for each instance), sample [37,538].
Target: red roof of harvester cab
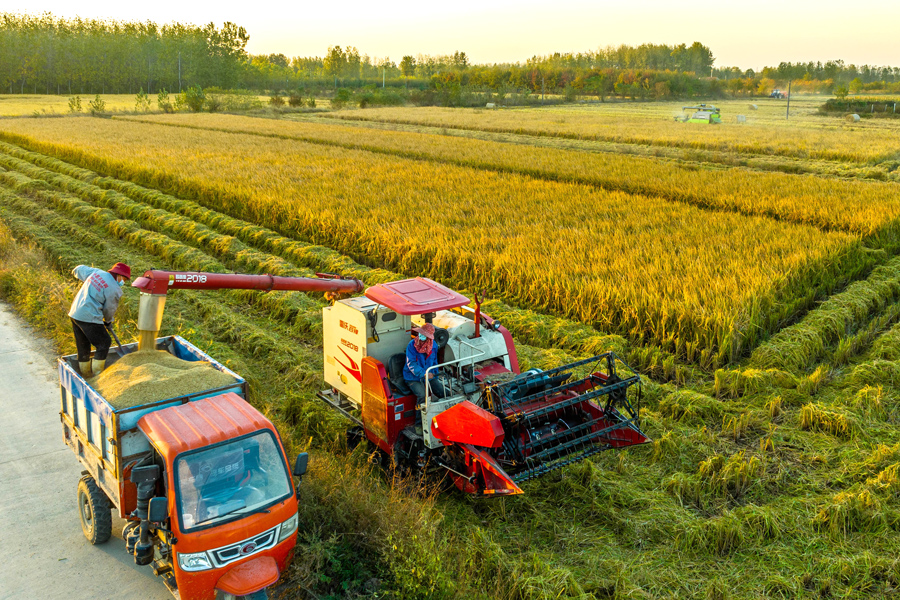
[415,296]
[200,423]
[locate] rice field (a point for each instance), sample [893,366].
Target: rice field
[49,106]
[830,139]
[703,292]
[773,476]
[866,208]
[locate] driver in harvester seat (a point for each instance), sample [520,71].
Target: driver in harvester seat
[421,353]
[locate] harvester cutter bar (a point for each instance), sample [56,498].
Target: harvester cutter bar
[574,430]
[546,468]
[561,448]
[545,410]
[503,389]
[506,401]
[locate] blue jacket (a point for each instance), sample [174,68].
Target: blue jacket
[98,298]
[416,362]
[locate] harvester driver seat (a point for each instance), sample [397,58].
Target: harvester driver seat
[395,373]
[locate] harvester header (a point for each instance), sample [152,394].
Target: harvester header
[494,427]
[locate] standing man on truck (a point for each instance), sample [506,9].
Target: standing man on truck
[93,311]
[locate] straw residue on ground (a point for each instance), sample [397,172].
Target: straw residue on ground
[150,376]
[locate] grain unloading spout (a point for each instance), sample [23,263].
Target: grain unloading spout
[154,285]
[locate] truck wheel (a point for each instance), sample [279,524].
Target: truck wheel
[94,511]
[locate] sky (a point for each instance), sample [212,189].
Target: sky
[743,34]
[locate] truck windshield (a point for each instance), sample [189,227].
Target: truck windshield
[230,480]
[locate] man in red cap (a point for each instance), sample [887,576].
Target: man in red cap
[421,353]
[93,311]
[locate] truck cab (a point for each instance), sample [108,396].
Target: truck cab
[231,506]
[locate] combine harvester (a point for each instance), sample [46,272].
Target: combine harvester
[702,113]
[496,427]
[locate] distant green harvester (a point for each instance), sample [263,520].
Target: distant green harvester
[702,113]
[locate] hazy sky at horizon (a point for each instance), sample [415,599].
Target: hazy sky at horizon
[745,34]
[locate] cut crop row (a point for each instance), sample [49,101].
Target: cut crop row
[796,347]
[703,284]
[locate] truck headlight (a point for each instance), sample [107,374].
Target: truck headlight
[288,528]
[198,561]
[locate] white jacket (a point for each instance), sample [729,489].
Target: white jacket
[98,298]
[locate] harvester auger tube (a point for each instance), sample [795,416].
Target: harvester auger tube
[154,285]
[160,282]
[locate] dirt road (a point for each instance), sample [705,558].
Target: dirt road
[43,553]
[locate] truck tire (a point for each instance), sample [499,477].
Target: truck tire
[93,511]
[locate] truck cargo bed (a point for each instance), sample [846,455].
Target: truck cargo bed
[106,439]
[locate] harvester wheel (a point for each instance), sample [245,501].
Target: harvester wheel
[94,511]
[355,435]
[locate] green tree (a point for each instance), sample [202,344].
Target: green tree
[142,102]
[335,63]
[408,68]
[97,105]
[193,98]
[163,102]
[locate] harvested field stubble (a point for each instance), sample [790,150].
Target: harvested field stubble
[703,292]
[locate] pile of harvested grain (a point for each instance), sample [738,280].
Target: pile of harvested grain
[152,375]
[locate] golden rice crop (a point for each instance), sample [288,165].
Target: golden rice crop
[653,270]
[20,105]
[835,142]
[861,207]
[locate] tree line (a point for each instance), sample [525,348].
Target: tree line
[52,55]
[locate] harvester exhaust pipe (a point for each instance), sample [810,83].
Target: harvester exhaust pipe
[478,315]
[145,480]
